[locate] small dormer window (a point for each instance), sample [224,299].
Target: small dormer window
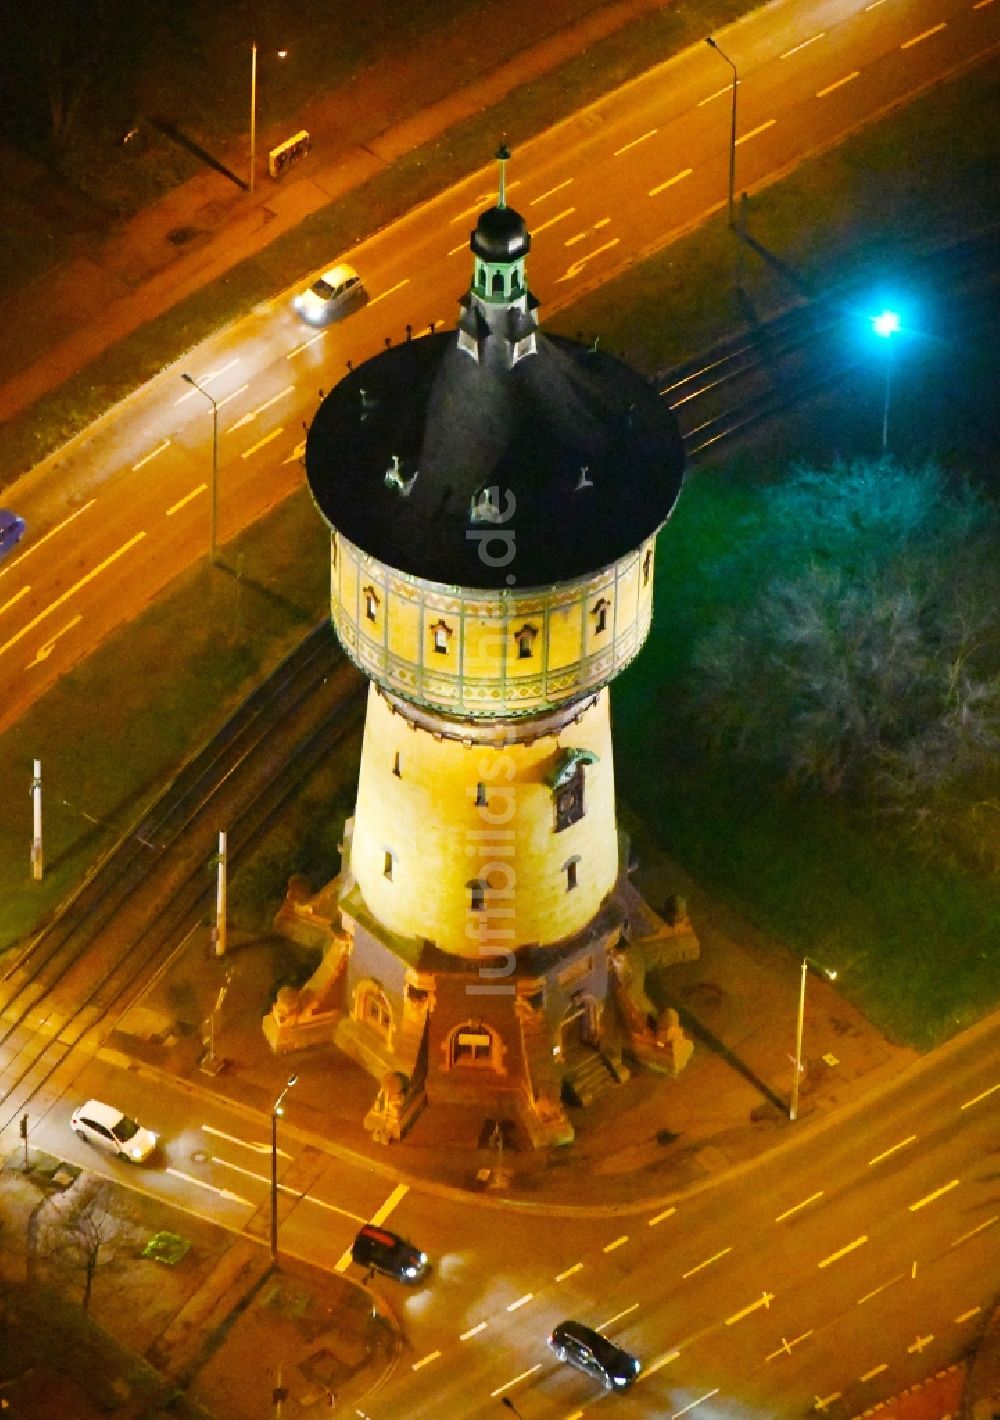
[442,634]
[599,611]
[525,639]
[569,868]
[387,865]
[477,895]
[647,566]
[371,603]
[568,800]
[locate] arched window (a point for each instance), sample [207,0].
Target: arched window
[395,766]
[525,639]
[387,865]
[567,799]
[498,283]
[474,1044]
[569,868]
[599,611]
[372,1008]
[371,602]
[647,564]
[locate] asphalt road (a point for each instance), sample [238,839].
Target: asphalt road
[119,512]
[840,1268]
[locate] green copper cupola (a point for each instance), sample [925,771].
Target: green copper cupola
[499,303]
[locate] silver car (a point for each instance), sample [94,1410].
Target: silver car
[107,1128]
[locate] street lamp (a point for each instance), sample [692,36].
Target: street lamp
[732,132]
[214,534]
[275,1112]
[253,109]
[886,325]
[807,962]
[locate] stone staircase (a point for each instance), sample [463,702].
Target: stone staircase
[586,1074]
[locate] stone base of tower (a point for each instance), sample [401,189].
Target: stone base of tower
[447,1037]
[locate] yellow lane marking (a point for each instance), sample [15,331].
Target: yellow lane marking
[785,1349]
[930,1197]
[966,1316]
[868,1295]
[521,1302]
[761,128]
[700,1401]
[391,291]
[305,344]
[474,1331]
[507,1384]
[726,89]
[764,1300]
[395,1198]
[707,1263]
[618,1316]
[886,1152]
[71,591]
[926,34]
[875,1371]
[804,1204]
[15,598]
[658,1364]
[842,1252]
[838,84]
[977,1098]
[40,542]
[973,1231]
[634,143]
[577,1267]
[667,1213]
[274,434]
[176,507]
[677,177]
[548,193]
[235,395]
[44,652]
[618,1242]
[426,1360]
[804,45]
[566,212]
[150,456]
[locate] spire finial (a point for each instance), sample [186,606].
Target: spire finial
[503,157]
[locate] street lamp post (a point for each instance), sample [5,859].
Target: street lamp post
[886,325]
[732,132]
[807,962]
[214,533]
[253,113]
[275,1112]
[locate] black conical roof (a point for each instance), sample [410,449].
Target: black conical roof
[577,444]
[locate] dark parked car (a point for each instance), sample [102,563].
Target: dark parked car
[389,1253]
[11,530]
[589,1351]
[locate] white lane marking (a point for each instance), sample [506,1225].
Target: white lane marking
[804,45]
[15,598]
[667,1213]
[287,1188]
[764,1300]
[618,1316]
[837,84]
[305,344]
[426,1360]
[577,267]
[580,237]
[658,1364]
[930,1197]
[235,395]
[253,413]
[147,458]
[795,1208]
[700,1401]
[521,1301]
[391,291]
[677,177]
[926,34]
[395,1198]
[618,1242]
[566,212]
[474,1331]
[892,1280]
[726,89]
[548,193]
[977,1098]
[822,1401]
[875,1371]
[785,1349]
[634,143]
[222,1192]
[842,1252]
[918,1345]
[45,651]
[981,4]
[39,542]
[874,4]
[966,1316]
[296,453]
[577,1267]
[886,1152]
[183,502]
[973,1231]
[462,246]
[267,439]
[761,128]
[70,591]
[222,370]
[507,1384]
[253,1145]
[603,222]
[707,1263]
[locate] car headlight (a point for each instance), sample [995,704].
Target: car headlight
[619,1380]
[410,1271]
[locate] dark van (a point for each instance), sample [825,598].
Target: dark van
[389,1253]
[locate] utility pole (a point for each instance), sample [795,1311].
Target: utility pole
[220,898]
[253,113]
[37,858]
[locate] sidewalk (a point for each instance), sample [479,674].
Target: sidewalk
[209,225]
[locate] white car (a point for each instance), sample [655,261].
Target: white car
[335,294]
[109,1129]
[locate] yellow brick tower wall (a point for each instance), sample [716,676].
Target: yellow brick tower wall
[461,651]
[420,837]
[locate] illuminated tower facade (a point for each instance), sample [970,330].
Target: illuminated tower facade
[493,497]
